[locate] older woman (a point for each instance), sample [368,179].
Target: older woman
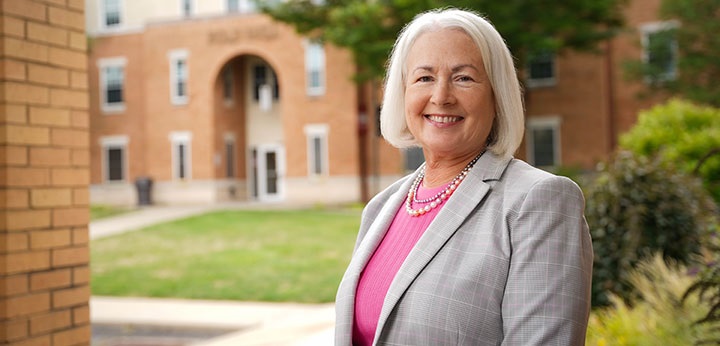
[475,248]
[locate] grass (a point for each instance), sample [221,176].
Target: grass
[102,211]
[296,256]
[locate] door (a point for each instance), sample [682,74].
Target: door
[270,172]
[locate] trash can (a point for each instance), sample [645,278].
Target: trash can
[144,190]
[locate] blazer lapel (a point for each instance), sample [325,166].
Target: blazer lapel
[374,235]
[446,223]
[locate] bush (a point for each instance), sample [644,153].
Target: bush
[637,206]
[682,133]
[658,317]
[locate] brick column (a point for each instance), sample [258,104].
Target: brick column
[44,173]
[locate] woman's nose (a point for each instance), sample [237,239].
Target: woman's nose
[442,94]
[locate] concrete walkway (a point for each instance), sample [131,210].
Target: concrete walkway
[234,323]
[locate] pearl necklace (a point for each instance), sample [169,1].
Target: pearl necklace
[441,196]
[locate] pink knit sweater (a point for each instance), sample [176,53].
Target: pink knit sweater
[375,279]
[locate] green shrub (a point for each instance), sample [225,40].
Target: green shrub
[658,317]
[682,133]
[637,206]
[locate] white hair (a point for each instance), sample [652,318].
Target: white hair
[508,125]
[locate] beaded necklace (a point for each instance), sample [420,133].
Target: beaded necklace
[441,196]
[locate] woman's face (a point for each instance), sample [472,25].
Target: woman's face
[449,103]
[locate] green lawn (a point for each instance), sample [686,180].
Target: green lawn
[297,256]
[103,211]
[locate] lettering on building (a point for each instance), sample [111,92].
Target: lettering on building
[254,33]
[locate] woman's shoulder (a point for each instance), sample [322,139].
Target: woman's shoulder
[524,176]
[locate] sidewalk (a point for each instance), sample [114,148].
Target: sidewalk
[227,322]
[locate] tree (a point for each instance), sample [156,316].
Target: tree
[369,28]
[683,58]
[683,133]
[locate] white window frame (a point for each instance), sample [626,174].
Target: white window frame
[103,15]
[315,62]
[543,82]
[174,56]
[539,123]
[114,142]
[650,28]
[176,139]
[102,65]
[312,132]
[192,4]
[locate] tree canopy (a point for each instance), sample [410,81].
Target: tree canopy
[369,28]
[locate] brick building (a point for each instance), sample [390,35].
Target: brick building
[214,102]
[44,172]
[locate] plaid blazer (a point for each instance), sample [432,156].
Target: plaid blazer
[507,261]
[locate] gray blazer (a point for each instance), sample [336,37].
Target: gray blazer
[507,261]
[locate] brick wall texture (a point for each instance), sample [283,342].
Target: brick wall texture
[44,173]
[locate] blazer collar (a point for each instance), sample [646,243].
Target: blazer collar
[457,209]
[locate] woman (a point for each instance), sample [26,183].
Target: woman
[475,248]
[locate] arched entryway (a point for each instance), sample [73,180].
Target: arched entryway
[249,131]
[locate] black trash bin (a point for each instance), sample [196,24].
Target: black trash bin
[144,190]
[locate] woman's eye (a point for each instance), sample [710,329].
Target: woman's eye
[464,79]
[425,79]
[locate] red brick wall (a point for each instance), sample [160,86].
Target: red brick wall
[44,161]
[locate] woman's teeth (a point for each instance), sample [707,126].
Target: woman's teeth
[443,119]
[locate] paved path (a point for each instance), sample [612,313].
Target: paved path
[240,323]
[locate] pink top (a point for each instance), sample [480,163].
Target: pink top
[379,272]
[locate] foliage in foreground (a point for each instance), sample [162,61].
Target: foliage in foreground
[297,256]
[658,317]
[635,207]
[682,133]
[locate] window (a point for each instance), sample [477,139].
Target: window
[660,51]
[114,151]
[230,156]
[541,70]
[315,68]
[178,77]
[413,158]
[111,13]
[227,85]
[317,149]
[181,154]
[233,5]
[265,88]
[186,7]
[543,141]
[241,6]
[112,84]
[264,75]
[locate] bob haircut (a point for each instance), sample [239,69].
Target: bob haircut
[508,125]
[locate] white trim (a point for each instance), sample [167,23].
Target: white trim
[654,27]
[309,65]
[279,151]
[193,8]
[544,122]
[174,56]
[102,64]
[102,17]
[542,82]
[177,138]
[313,131]
[114,142]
